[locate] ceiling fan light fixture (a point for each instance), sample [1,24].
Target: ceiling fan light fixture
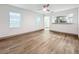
[44,9]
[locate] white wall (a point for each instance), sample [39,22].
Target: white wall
[28,22]
[67,28]
[78,22]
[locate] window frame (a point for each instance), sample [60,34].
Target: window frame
[19,21]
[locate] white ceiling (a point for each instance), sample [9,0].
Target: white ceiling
[52,7]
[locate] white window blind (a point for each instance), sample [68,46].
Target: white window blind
[15,20]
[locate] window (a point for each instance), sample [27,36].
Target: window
[38,21]
[15,20]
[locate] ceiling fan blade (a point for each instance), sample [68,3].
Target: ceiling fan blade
[46,6]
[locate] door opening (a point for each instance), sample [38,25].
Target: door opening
[46,22]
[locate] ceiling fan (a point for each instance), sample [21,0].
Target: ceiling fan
[45,8]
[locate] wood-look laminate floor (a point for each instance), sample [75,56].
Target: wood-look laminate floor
[42,42]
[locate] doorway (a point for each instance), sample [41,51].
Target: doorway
[46,22]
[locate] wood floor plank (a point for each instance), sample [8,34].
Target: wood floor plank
[41,42]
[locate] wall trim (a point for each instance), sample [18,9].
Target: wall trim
[63,32]
[6,37]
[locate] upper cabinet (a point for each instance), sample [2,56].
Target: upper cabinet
[63,19]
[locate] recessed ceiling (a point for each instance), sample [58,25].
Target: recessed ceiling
[52,7]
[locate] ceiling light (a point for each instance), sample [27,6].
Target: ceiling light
[44,9]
